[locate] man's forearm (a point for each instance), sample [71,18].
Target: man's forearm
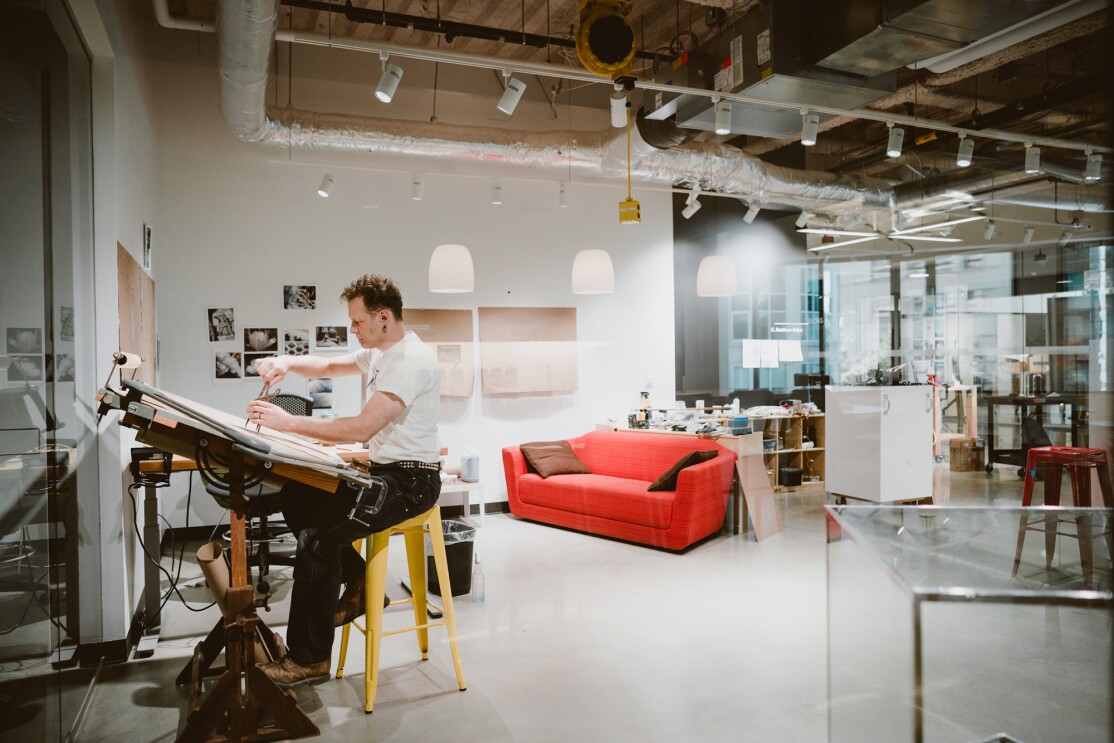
[330,430]
[309,367]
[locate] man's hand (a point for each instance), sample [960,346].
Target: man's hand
[272,416]
[272,368]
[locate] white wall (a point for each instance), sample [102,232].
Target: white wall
[239,220]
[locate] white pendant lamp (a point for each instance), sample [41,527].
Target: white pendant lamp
[716,277]
[450,270]
[592,273]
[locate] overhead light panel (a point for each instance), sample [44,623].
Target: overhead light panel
[1032,159]
[618,108]
[496,194]
[893,144]
[388,81]
[966,152]
[752,212]
[716,277]
[919,275]
[829,246]
[837,233]
[810,124]
[512,94]
[924,238]
[940,226]
[723,117]
[416,189]
[988,232]
[1028,236]
[1093,170]
[326,186]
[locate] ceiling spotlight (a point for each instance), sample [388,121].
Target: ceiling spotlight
[752,212]
[1065,236]
[1032,159]
[809,126]
[988,232]
[966,151]
[723,117]
[416,188]
[563,196]
[619,108]
[1092,172]
[496,194]
[1040,257]
[803,219]
[692,204]
[388,81]
[326,186]
[512,94]
[1028,236]
[893,145]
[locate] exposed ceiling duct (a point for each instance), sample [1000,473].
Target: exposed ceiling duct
[246,33]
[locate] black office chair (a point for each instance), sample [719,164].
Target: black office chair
[263,502]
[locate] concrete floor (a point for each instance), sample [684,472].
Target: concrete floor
[580,639]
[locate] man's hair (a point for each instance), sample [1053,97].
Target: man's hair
[378,293]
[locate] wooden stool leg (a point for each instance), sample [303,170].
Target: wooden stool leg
[437,538]
[1105,487]
[1052,477]
[1083,532]
[358,546]
[1026,501]
[415,558]
[376,587]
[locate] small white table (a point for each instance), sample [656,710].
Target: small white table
[466,487]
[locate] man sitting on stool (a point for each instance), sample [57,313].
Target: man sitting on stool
[399,423]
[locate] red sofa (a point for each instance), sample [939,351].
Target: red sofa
[613,500]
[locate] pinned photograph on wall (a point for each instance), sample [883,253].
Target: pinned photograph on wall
[249,362]
[25,369]
[260,339]
[228,365]
[296,342]
[25,340]
[65,323]
[59,367]
[222,324]
[321,392]
[299,297]
[331,338]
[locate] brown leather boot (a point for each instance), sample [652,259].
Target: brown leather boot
[287,672]
[352,605]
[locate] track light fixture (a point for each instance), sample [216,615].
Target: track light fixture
[692,204]
[723,117]
[966,151]
[1032,159]
[810,124]
[988,231]
[1028,236]
[512,93]
[802,220]
[496,193]
[326,186]
[1093,170]
[1065,237]
[619,107]
[752,212]
[388,81]
[416,189]
[893,144]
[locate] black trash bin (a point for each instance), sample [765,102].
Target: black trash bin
[791,477]
[459,538]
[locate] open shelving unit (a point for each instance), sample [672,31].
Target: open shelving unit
[783,440]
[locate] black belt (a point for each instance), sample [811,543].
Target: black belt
[413,464]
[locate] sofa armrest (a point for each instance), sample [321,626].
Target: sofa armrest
[514,467]
[703,489]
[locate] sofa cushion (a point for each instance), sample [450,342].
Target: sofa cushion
[604,497]
[548,458]
[668,479]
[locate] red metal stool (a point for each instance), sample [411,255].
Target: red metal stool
[1079,462]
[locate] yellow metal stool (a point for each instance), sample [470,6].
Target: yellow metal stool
[414,531]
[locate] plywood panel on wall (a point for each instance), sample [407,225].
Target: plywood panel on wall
[137,313]
[528,351]
[449,334]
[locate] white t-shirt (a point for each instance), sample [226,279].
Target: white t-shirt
[409,371]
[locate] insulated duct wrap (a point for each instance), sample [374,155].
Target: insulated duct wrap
[245,36]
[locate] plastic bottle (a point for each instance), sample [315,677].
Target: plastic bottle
[478,593]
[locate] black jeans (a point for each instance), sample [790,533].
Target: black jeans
[325,557]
